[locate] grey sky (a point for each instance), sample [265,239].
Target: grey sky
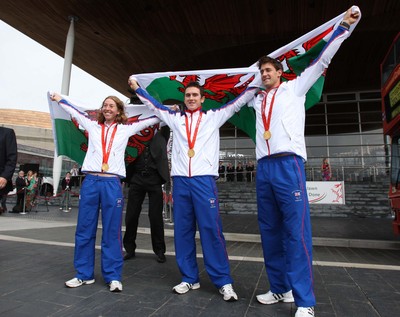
[29,70]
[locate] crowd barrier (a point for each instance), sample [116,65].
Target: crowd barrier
[31,201]
[65,203]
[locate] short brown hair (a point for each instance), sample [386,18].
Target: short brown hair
[266,59]
[196,85]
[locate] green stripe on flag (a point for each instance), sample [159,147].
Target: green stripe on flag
[167,91]
[70,140]
[301,62]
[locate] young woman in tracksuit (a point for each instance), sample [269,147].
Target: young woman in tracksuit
[195,157]
[104,166]
[283,210]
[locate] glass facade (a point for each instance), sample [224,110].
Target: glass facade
[346,128]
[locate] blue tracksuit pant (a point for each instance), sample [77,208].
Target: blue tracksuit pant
[284,221]
[196,200]
[104,192]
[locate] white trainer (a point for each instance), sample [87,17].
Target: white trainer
[305,312]
[228,293]
[76,282]
[272,298]
[185,287]
[115,286]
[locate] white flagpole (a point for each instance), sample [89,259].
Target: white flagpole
[69,50]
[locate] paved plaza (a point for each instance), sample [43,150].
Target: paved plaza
[356,268]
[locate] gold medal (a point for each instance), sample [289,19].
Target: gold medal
[106,153]
[267,135]
[190,153]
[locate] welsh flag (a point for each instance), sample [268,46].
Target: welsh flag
[223,85]
[71,139]
[220,86]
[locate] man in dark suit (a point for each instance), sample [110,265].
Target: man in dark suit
[146,175]
[8,161]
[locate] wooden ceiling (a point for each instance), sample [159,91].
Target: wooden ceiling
[117,38]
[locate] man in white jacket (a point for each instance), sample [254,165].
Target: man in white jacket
[195,157]
[283,210]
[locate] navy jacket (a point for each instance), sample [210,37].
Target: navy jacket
[8,157]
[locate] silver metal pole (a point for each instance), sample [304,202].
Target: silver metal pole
[24,203]
[69,50]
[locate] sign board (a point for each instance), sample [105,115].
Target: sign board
[326,193]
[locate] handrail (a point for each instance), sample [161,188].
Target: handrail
[351,173]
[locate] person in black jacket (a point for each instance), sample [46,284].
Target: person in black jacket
[20,184]
[230,172]
[8,161]
[66,184]
[221,171]
[250,171]
[146,175]
[239,172]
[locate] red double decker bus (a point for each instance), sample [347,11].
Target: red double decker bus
[390,92]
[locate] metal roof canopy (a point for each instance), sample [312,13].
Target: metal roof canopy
[115,39]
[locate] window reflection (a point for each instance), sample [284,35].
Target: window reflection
[346,128]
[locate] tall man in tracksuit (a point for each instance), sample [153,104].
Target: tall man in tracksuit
[283,210]
[195,157]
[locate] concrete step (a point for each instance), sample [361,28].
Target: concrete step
[362,199]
